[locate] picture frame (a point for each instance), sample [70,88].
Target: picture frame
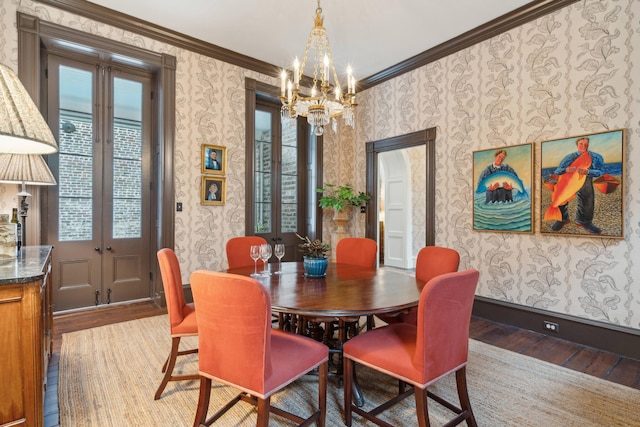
[216,185]
[213,159]
[575,204]
[503,193]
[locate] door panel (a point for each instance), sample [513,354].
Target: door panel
[396,211]
[125,238]
[76,280]
[101,116]
[72,208]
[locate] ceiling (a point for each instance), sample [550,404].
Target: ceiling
[369,35]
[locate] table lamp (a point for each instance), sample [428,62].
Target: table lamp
[24,135]
[25,169]
[23,130]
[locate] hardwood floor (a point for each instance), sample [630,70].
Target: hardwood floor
[601,364]
[608,366]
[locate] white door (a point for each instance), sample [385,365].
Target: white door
[396,177]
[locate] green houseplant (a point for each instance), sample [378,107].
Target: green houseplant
[313,248]
[339,197]
[315,260]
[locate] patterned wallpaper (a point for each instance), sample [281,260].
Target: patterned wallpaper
[209,109]
[572,72]
[569,73]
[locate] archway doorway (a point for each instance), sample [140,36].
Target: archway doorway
[425,197]
[395,208]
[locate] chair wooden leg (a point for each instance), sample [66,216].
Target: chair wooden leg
[264,407]
[463,395]
[422,409]
[203,402]
[166,362]
[348,386]
[323,374]
[371,322]
[168,366]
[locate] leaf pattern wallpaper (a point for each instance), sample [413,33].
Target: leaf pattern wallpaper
[571,72]
[568,73]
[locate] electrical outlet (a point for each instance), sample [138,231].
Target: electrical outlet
[551,326]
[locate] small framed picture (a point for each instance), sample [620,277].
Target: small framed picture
[582,192]
[503,189]
[213,191]
[214,159]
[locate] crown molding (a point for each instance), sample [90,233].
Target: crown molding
[161,34]
[520,16]
[506,22]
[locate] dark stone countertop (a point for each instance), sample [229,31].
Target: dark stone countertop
[27,267]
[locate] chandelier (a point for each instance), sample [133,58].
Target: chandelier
[326,100]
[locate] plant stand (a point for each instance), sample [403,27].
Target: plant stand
[340,218]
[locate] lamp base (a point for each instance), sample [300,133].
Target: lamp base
[24,207]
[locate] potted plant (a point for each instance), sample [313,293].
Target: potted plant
[315,256]
[339,197]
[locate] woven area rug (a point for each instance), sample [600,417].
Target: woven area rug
[108,376]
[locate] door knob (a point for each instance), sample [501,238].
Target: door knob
[108,248]
[97,249]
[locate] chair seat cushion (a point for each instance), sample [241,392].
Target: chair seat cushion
[292,356]
[188,326]
[389,349]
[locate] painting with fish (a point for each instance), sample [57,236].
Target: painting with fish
[582,185]
[502,183]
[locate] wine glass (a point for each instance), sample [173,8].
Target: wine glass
[254,252]
[278,250]
[265,254]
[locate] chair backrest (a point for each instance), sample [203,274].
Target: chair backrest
[444,314]
[433,261]
[172,284]
[357,251]
[234,325]
[237,249]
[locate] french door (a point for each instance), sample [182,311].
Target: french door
[280,178]
[98,216]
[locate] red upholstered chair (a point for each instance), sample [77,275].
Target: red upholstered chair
[354,251]
[182,316]
[357,251]
[432,261]
[237,249]
[423,354]
[248,354]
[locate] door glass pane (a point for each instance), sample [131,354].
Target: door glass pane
[127,159]
[263,155]
[289,179]
[75,176]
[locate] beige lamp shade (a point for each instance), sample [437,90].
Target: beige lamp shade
[23,130]
[29,169]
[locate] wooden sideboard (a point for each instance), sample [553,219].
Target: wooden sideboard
[26,339]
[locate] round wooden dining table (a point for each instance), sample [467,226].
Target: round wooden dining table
[346,291]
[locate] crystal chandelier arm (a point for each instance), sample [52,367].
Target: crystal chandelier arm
[318,107]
